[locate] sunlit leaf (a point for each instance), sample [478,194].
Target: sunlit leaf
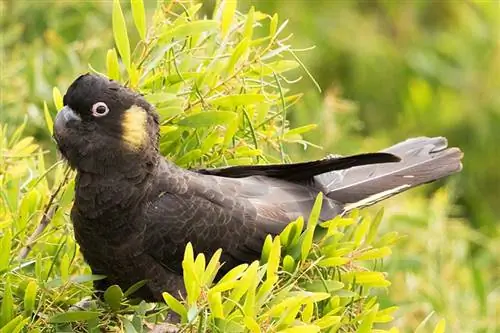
[112,65]
[139,17]
[57,97]
[175,305]
[207,119]
[228,11]
[120,33]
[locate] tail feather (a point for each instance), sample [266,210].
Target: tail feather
[423,160]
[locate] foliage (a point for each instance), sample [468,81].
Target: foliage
[412,68]
[225,94]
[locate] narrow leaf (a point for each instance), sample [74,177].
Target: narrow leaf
[112,65]
[57,97]
[228,12]
[139,17]
[120,33]
[207,119]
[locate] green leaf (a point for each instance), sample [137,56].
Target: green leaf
[373,279]
[120,33]
[189,29]
[139,17]
[248,28]
[7,307]
[227,281]
[289,264]
[72,316]
[175,306]
[327,321]
[241,287]
[251,324]
[228,11]
[300,130]
[189,157]
[440,327]
[323,285]
[113,297]
[375,253]
[215,303]
[273,25]
[210,141]
[361,230]
[15,325]
[311,225]
[333,262]
[161,97]
[30,297]
[274,258]
[133,288]
[367,322]
[212,268]
[48,118]
[5,246]
[231,130]
[239,55]
[230,101]
[112,65]
[374,227]
[57,97]
[266,249]
[87,278]
[207,119]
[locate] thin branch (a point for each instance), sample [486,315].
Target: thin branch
[48,214]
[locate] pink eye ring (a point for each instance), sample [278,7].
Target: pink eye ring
[100,109]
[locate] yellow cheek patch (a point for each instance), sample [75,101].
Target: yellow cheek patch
[134,127]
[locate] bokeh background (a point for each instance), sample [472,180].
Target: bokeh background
[388,70]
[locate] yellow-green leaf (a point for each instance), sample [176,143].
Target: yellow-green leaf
[189,29]
[375,253]
[228,11]
[251,324]
[239,55]
[30,297]
[440,327]
[120,33]
[215,302]
[58,100]
[139,17]
[212,268]
[327,321]
[188,157]
[274,258]
[248,28]
[367,322]
[236,100]
[207,119]
[175,305]
[113,68]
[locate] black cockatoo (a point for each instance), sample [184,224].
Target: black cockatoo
[134,212]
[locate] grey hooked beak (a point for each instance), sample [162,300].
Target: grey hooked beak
[64,118]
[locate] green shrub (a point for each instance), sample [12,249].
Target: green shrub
[223,98]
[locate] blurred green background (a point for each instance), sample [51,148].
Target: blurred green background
[388,70]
